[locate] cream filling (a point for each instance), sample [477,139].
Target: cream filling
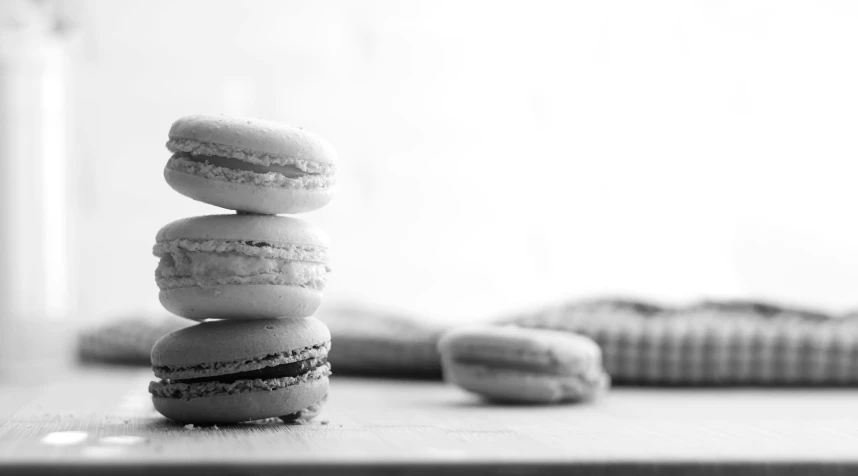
[195,147]
[194,268]
[296,252]
[290,171]
[259,176]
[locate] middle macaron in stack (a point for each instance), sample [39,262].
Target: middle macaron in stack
[241,267]
[255,279]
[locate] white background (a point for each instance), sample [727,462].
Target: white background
[494,155]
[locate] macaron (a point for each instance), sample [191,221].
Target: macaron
[235,371]
[511,364]
[241,267]
[250,165]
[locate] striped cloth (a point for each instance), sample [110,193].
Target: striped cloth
[711,343]
[126,340]
[368,341]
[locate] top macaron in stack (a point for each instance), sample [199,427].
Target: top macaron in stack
[262,273]
[250,165]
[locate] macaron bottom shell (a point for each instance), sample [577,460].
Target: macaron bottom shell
[499,384]
[243,301]
[246,406]
[247,197]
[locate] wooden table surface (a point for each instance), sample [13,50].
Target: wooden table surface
[100,418]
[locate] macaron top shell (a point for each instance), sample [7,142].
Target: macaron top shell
[263,228]
[253,140]
[554,352]
[226,341]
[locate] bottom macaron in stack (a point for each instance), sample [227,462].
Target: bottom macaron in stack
[235,371]
[510,364]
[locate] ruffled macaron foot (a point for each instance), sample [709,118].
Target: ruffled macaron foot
[306,414]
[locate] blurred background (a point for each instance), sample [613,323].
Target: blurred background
[494,155]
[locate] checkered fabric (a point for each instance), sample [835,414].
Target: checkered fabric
[711,343]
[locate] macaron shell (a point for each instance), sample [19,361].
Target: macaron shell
[551,351]
[245,197]
[225,341]
[504,385]
[246,406]
[274,229]
[241,301]
[257,135]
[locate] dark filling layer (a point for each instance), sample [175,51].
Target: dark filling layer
[288,170]
[556,369]
[292,369]
[522,366]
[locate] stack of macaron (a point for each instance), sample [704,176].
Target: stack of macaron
[254,278]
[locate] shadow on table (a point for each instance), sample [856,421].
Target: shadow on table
[164,425]
[477,402]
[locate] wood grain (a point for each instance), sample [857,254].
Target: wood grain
[393,426]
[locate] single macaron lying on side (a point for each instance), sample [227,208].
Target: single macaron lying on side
[250,165]
[512,364]
[241,267]
[234,371]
